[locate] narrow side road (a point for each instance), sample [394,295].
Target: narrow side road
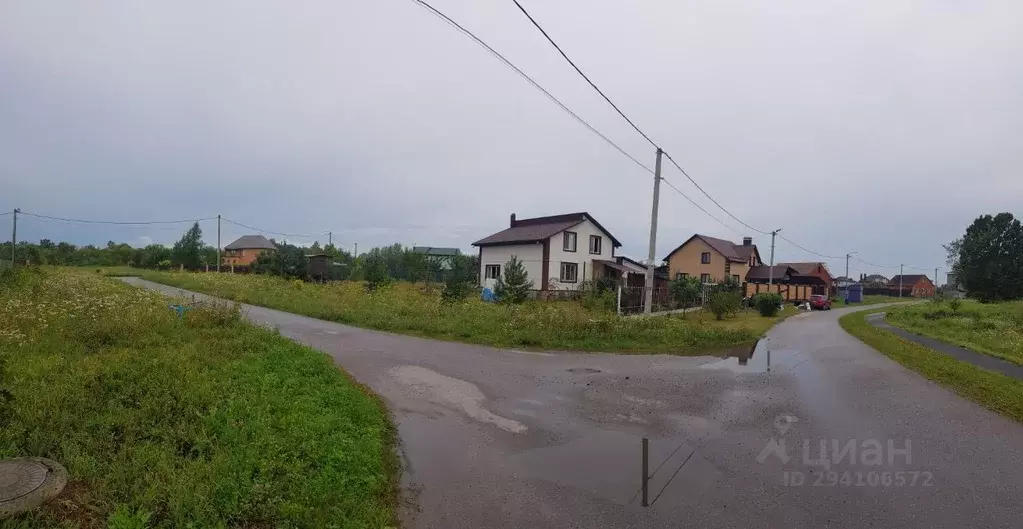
[501,438]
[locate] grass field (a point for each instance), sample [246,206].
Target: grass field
[203,421]
[408,309]
[992,390]
[995,329]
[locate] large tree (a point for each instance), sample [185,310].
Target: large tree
[988,260]
[188,250]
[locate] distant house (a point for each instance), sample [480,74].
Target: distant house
[244,251]
[874,280]
[559,252]
[844,282]
[818,270]
[712,259]
[442,256]
[912,285]
[792,283]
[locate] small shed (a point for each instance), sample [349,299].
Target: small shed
[854,293]
[319,266]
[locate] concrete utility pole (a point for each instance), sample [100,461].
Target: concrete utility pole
[770,269]
[847,256]
[356,249]
[330,238]
[14,238]
[648,301]
[900,280]
[935,281]
[218,243]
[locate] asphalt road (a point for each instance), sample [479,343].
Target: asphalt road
[501,438]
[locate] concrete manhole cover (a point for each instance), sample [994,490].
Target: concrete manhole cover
[583,370]
[28,482]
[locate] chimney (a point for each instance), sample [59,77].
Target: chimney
[511,221]
[747,241]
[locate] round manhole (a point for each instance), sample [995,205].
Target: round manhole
[28,482]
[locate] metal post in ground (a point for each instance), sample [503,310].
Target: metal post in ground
[900,280]
[648,301]
[646,474]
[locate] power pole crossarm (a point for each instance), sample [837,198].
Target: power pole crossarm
[648,301]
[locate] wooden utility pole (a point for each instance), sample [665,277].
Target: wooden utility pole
[218,243]
[14,238]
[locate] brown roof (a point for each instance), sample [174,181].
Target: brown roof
[251,242]
[762,273]
[908,279]
[807,269]
[539,229]
[730,250]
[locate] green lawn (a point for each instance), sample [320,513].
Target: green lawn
[992,390]
[995,329]
[412,309]
[204,421]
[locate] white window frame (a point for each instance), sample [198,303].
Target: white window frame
[488,268]
[599,244]
[706,281]
[569,266]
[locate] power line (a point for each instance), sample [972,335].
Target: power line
[531,81]
[83,221]
[225,219]
[691,201]
[706,194]
[580,72]
[782,237]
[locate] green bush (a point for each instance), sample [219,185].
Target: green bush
[768,304]
[724,303]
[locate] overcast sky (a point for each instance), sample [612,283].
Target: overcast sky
[880,127]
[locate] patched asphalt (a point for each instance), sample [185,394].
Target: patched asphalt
[502,438]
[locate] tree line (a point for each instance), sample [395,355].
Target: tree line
[377,266]
[987,261]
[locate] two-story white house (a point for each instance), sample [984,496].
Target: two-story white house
[559,252]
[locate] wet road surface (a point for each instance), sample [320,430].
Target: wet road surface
[501,438]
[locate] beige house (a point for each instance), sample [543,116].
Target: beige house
[712,259]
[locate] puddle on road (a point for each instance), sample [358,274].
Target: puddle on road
[755,359]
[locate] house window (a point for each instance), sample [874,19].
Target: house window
[595,241]
[679,275]
[735,277]
[728,267]
[569,245]
[705,257]
[493,271]
[569,272]
[705,278]
[684,275]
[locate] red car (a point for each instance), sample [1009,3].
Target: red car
[818,302]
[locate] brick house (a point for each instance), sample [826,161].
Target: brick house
[913,285]
[712,259]
[244,251]
[817,270]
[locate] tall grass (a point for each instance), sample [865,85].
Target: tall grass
[203,421]
[413,309]
[995,329]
